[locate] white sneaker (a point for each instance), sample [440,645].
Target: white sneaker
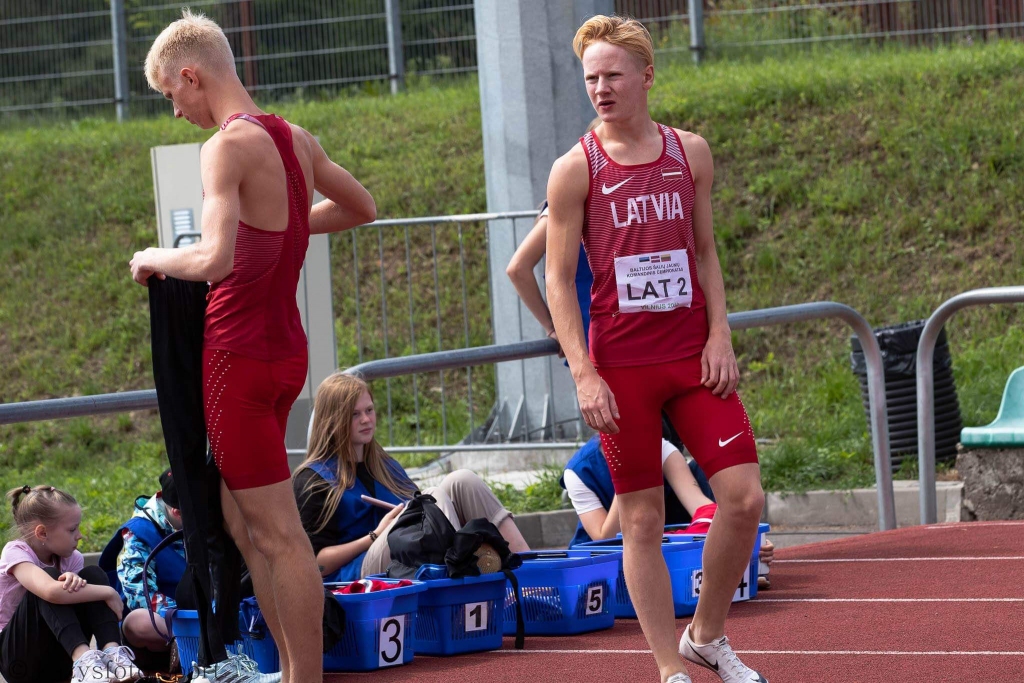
[121,664]
[679,678]
[235,669]
[718,657]
[90,668]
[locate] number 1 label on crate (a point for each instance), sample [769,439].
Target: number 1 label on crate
[476,616]
[392,641]
[595,600]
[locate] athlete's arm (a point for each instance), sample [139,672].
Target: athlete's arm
[680,478]
[334,557]
[567,196]
[719,371]
[602,524]
[211,259]
[520,272]
[347,202]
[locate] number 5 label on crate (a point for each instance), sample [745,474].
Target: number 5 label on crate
[595,600]
[476,616]
[392,641]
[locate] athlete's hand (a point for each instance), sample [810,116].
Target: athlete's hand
[719,371]
[388,518]
[553,335]
[597,404]
[140,272]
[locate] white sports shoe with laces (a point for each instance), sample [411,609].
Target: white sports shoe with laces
[90,668]
[679,678]
[718,657]
[121,664]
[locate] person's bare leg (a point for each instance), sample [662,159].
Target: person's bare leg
[139,632]
[642,514]
[728,548]
[510,532]
[258,570]
[272,519]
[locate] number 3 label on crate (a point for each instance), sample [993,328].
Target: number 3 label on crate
[392,641]
[742,591]
[595,600]
[476,616]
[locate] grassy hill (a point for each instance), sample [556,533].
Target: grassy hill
[888,182]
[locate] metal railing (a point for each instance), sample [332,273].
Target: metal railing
[440,361]
[90,55]
[926,384]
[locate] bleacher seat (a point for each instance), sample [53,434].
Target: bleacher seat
[1008,429]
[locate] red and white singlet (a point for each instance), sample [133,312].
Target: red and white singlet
[647,303]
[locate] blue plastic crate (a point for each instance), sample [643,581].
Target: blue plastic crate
[563,592]
[379,629]
[457,616]
[742,592]
[257,641]
[185,629]
[683,561]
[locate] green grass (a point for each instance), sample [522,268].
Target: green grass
[888,182]
[545,493]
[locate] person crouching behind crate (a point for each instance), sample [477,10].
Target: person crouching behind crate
[124,559]
[688,497]
[345,465]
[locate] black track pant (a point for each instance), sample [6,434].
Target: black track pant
[36,646]
[177,312]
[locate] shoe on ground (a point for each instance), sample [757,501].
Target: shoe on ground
[121,664]
[718,657]
[90,668]
[763,583]
[679,678]
[235,669]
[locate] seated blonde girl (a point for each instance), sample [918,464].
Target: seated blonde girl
[345,462]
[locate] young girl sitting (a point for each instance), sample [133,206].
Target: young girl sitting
[345,462]
[51,605]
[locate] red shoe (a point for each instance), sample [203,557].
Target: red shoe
[702,517]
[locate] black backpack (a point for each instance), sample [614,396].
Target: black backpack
[421,535]
[461,560]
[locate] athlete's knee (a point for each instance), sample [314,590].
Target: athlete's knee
[642,524]
[742,499]
[279,539]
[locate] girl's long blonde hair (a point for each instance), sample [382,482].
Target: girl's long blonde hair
[37,505]
[331,437]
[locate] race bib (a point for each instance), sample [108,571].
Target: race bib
[653,282]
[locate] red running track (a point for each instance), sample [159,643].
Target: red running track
[936,604]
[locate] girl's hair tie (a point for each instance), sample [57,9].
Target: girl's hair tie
[26,489]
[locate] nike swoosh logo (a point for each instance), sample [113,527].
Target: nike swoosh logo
[608,190]
[723,444]
[713,667]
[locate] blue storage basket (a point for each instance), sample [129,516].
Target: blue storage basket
[457,616]
[748,592]
[185,629]
[563,592]
[257,641]
[379,629]
[684,563]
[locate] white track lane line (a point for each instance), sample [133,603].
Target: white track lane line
[887,653]
[758,600]
[1004,558]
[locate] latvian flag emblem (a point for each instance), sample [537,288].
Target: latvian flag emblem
[662,258]
[672,173]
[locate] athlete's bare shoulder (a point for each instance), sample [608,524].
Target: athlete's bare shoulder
[570,172]
[698,153]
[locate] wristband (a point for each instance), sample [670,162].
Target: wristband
[373,536]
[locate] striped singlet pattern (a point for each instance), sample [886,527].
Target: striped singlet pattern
[640,209]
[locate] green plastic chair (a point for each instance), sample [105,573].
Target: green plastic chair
[1008,428]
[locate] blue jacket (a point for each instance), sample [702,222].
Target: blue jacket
[357,518]
[590,466]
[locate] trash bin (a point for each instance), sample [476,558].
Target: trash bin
[899,358]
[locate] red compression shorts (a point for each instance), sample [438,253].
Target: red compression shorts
[246,402]
[715,431]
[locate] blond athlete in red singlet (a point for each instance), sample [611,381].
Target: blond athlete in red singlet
[258,173]
[638,193]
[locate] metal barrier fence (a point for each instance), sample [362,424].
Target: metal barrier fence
[926,384]
[78,56]
[450,360]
